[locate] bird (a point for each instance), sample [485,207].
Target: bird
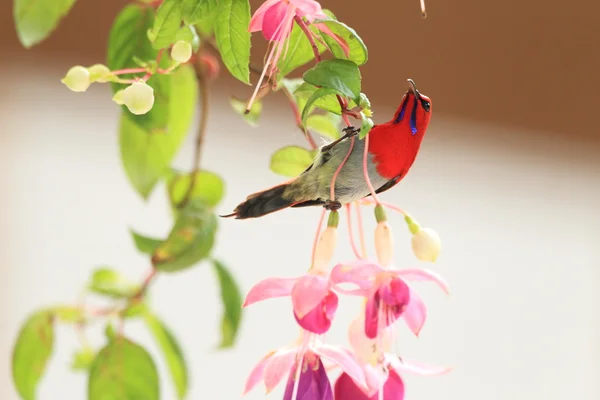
[393,148]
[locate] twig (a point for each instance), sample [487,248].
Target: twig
[202,82]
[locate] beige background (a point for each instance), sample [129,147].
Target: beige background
[509,176]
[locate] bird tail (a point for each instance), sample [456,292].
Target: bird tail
[262,203]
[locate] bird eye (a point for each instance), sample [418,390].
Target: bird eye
[426,105]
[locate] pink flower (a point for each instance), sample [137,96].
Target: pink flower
[313,301]
[311,382]
[376,357]
[388,295]
[275,18]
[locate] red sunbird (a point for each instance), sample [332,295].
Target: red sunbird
[393,147]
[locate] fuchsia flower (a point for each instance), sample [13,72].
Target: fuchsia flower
[311,382]
[388,295]
[381,367]
[275,18]
[313,301]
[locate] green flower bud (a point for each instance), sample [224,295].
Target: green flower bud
[138,97]
[181,51]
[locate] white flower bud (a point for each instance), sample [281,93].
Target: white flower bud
[100,73]
[77,79]
[384,247]
[426,245]
[138,97]
[181,51]
[325,249]
[119,97]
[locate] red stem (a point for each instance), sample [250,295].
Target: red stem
[339,168]
[317,235]
[128,71]
[366,171]
[361,232]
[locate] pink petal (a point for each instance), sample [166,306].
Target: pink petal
[372,316]
[345,360]
[374,375]
[361,273]
[319,319]
[414,368]
[278,366]
[346,389]
[257,373]
[276,22]
[308,292]
[341,42]
[270,288]
[257,19]
[416,274]
[308,8]
[415,313]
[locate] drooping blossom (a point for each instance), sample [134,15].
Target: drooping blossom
[382,368]
[275,18]
[311,380]
[388,295]
[313,301]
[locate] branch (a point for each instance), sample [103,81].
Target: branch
[202,83]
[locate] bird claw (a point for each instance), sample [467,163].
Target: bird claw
[332,205]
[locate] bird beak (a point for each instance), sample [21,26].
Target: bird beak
[413,88]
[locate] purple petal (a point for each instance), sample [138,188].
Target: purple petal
[314,382]
[320,318]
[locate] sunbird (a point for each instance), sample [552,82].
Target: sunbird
[393,147]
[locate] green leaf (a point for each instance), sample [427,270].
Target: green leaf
[208,187]
[253,116]
[291,161]
[110,283]
[299,52]
[31,353]
[233,38]
[35,20]
[123,370]
[190,240]
[199,11]
[324,97]
[135,308]
[367,124]
[171,351]
[340,75]
[325,100]
[232,305]
[145,244]
[128,41]
[68,314]
[323,125]
[82,359]
[147,152]
[167,22]
[357,51]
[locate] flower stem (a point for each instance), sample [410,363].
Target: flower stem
[366,171]
[387,205]
[128,71]
[202,82]
[317,236]
[350,231]
[361,232]
[298,117]
[297,377]
[339,168]
[310,37]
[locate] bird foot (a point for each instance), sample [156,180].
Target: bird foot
[332,205]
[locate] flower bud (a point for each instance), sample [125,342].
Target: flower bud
[384,247]
[119,97]
[181,51]
[426,245]
[100,73]
[139,98]
[325,249]
[77,79]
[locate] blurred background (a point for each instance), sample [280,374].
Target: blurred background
[509,175]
